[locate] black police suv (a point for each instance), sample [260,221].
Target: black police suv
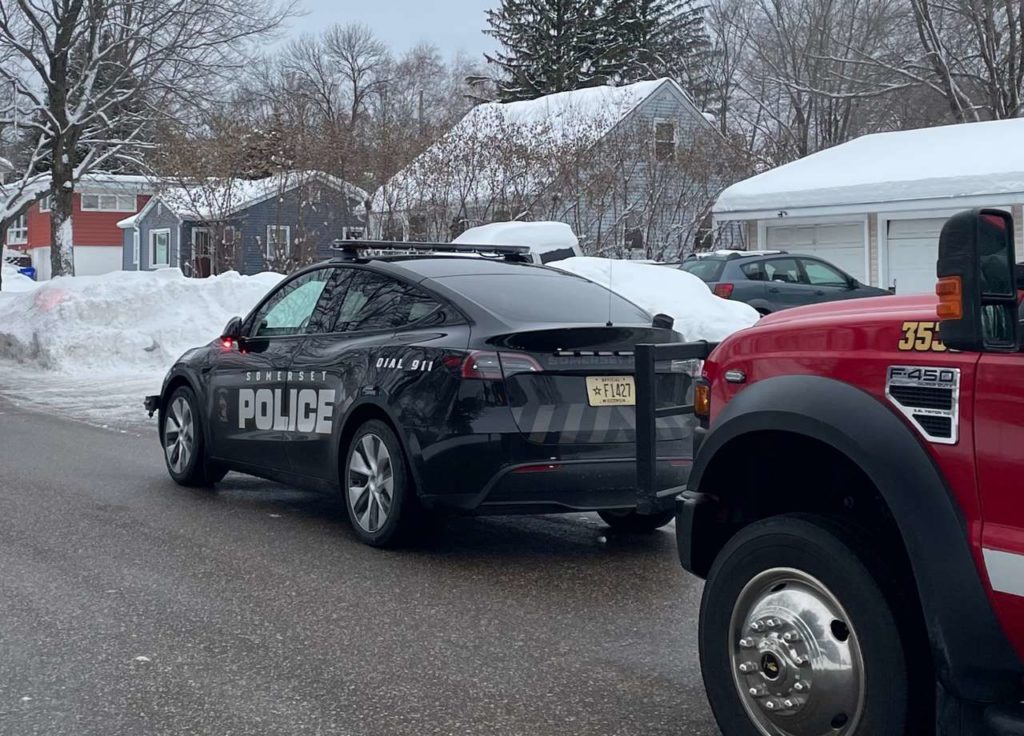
[413,383]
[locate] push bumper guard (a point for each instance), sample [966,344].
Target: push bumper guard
[648,412]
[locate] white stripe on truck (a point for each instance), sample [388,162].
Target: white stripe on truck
[1005,570]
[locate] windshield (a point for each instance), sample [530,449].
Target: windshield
[546,297]
[706,269]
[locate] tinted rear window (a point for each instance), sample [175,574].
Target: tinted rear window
[707,269]
[546,297]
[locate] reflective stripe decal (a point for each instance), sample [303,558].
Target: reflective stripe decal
[1005,571]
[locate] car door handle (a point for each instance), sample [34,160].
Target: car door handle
[820,292]
[773,289]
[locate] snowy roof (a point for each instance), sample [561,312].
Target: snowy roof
[951,161]
[220,198]
[580,116]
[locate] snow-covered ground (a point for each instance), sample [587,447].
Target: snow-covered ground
[93,346]
[698,314]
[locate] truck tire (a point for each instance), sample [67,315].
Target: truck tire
[799,638]
[631,522]
[379,496]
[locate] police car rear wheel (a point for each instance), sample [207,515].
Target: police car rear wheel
[632,522]
[182,438]
[377,493]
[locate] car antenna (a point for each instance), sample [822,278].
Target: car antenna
[610,272]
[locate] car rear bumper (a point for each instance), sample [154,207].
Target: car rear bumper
[567,485]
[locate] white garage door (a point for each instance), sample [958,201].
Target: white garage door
[841,244]
[913,247]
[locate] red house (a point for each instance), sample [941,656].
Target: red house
[100,202]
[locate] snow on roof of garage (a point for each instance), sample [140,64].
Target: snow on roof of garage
[931,163]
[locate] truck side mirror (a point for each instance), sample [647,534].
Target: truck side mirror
[977,289]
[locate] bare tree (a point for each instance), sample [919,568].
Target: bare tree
[360,58]
[93,77]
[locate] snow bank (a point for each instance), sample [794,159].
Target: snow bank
[971,159]
[699,314]
[130,324]
[542,237]
[14,281]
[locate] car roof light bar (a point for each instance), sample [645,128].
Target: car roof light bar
[352,250]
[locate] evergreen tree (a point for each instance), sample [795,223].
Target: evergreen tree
[548,46]
[649,39]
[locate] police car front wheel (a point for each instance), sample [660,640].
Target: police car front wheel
[378,495]
[182,437]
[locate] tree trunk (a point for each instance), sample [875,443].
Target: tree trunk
[62,258]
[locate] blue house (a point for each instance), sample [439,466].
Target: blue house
[279,223]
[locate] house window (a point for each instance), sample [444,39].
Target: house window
[109,202]
[17,233]
[135,247]
[159,248]
[229,235]
[353,233]
[664,140]
[46,203]
[279,241]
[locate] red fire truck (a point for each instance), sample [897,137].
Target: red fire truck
[856,507]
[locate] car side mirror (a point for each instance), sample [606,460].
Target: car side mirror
[232,332]
[664,321]
[977,286]
[852,283]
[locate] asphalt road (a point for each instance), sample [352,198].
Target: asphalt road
[129,605]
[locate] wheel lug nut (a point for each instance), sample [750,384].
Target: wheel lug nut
[771,704]
[757,692]
[791,636]
[788,703]
[747,643]
[801,686]
[747,667]
[757,626]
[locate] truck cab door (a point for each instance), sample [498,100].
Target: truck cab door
[999,451]
[248,402]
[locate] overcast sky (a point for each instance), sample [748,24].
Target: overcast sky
[449,24]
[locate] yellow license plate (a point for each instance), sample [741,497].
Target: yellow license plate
[611,391]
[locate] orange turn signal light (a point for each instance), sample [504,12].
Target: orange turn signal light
[951,302]
[702,400]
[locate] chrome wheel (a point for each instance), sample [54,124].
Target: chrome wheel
[796,660]
[371,482]
[179,435]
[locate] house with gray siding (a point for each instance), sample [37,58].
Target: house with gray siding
[278,223]
[633,170]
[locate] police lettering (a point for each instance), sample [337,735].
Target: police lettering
[306,410]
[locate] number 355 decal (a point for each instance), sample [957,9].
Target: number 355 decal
[921,337]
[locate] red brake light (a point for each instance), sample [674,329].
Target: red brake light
[724,290]
[487,366]
[482,365]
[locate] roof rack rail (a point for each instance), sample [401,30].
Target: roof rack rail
[351,250]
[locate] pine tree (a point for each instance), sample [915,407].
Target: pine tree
[548,46]
[649,39]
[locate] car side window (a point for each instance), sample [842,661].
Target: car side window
[291,310]
[782,270]
[376,302]
[822,274]
[754,271]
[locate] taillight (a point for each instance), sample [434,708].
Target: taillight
[724,290]
[512,363]
[482,366]
[487,366]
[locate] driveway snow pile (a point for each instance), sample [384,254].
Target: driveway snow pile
[698,314]
[96,344]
